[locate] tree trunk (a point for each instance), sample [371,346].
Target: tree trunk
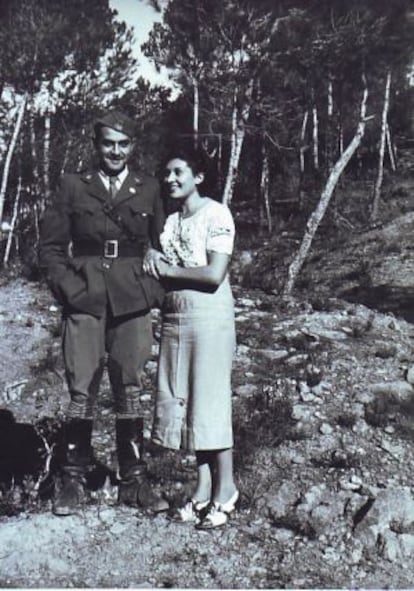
[65,156]
[220,162]
[330,98]
[46,163]
[239,119]
[264,186]
[196,98]
[316,217]
[237,143]
[329,128]
[10,152]
[13,222]
[36,224]
[302,143]
[33,151]
[380,175]
[390,147]
[232,168]
[315,137]
[79,165]
[340,139]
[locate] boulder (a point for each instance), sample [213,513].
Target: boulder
[321,508]
[397,391]
[389,523]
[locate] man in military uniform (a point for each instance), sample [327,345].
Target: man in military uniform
[93,239]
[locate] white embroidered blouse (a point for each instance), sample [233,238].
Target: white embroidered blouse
[185,241]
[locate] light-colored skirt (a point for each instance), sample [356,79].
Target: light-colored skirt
[193,403]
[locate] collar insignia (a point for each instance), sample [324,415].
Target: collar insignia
[87,177]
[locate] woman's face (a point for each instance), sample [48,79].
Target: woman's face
[180,179]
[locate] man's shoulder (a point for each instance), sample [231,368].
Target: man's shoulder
[71,178]
[143,178]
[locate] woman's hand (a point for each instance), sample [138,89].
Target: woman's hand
[154,263]
[149,263]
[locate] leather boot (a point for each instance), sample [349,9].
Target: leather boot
[70,485]
[134,487]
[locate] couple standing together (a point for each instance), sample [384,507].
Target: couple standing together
[110,255]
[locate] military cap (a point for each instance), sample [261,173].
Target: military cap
[118,121]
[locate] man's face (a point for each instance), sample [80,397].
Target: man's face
[114,149]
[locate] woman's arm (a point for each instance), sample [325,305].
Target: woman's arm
[211,274]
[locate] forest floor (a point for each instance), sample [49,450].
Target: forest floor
[323,415]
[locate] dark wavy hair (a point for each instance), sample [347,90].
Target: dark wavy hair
[195,158]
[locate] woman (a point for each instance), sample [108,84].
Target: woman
[193,403]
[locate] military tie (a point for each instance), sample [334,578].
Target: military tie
[113,186]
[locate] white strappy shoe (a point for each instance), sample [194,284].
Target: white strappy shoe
[190,512]
[217,514]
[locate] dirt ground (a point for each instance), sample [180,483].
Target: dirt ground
[323,413]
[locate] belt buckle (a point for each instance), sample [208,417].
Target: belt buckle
[111,249]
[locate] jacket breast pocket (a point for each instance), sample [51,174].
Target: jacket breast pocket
[140,216]
[87,220]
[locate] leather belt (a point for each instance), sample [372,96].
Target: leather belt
[109,249]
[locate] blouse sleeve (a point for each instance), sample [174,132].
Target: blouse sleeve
[220,235]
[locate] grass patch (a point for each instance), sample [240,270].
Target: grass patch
[264,420]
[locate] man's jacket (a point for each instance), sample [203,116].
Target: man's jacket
[91,245]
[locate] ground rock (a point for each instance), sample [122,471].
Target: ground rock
[351,483]
[326,429]
[385,350]
[243,353]
[364,397]
[360,427]
[394,449]
[281,502]
[321,508]
[245,390]
[302,412]
[283,535]
[399,390]
[393,509]
[273,354]
[410,375]
[395,547]
[297,360]
[321,388]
